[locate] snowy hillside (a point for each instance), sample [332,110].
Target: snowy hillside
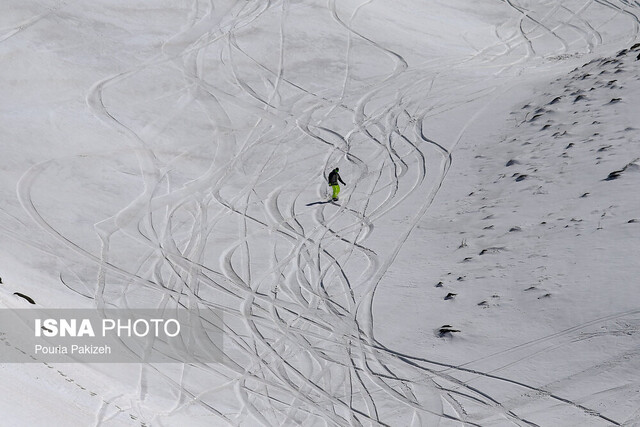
[478,269]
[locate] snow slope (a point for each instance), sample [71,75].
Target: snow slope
[168,154]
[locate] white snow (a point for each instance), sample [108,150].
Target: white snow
[173,153]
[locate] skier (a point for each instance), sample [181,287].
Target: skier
[334,177]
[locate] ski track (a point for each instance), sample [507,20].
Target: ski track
[299,332]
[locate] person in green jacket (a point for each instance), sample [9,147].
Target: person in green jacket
[334,177]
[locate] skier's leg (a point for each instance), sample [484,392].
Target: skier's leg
[336,191]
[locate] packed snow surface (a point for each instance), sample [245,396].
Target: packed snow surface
[480,267]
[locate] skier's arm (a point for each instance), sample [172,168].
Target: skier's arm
[340,179]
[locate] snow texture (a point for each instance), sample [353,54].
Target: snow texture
[480,268]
